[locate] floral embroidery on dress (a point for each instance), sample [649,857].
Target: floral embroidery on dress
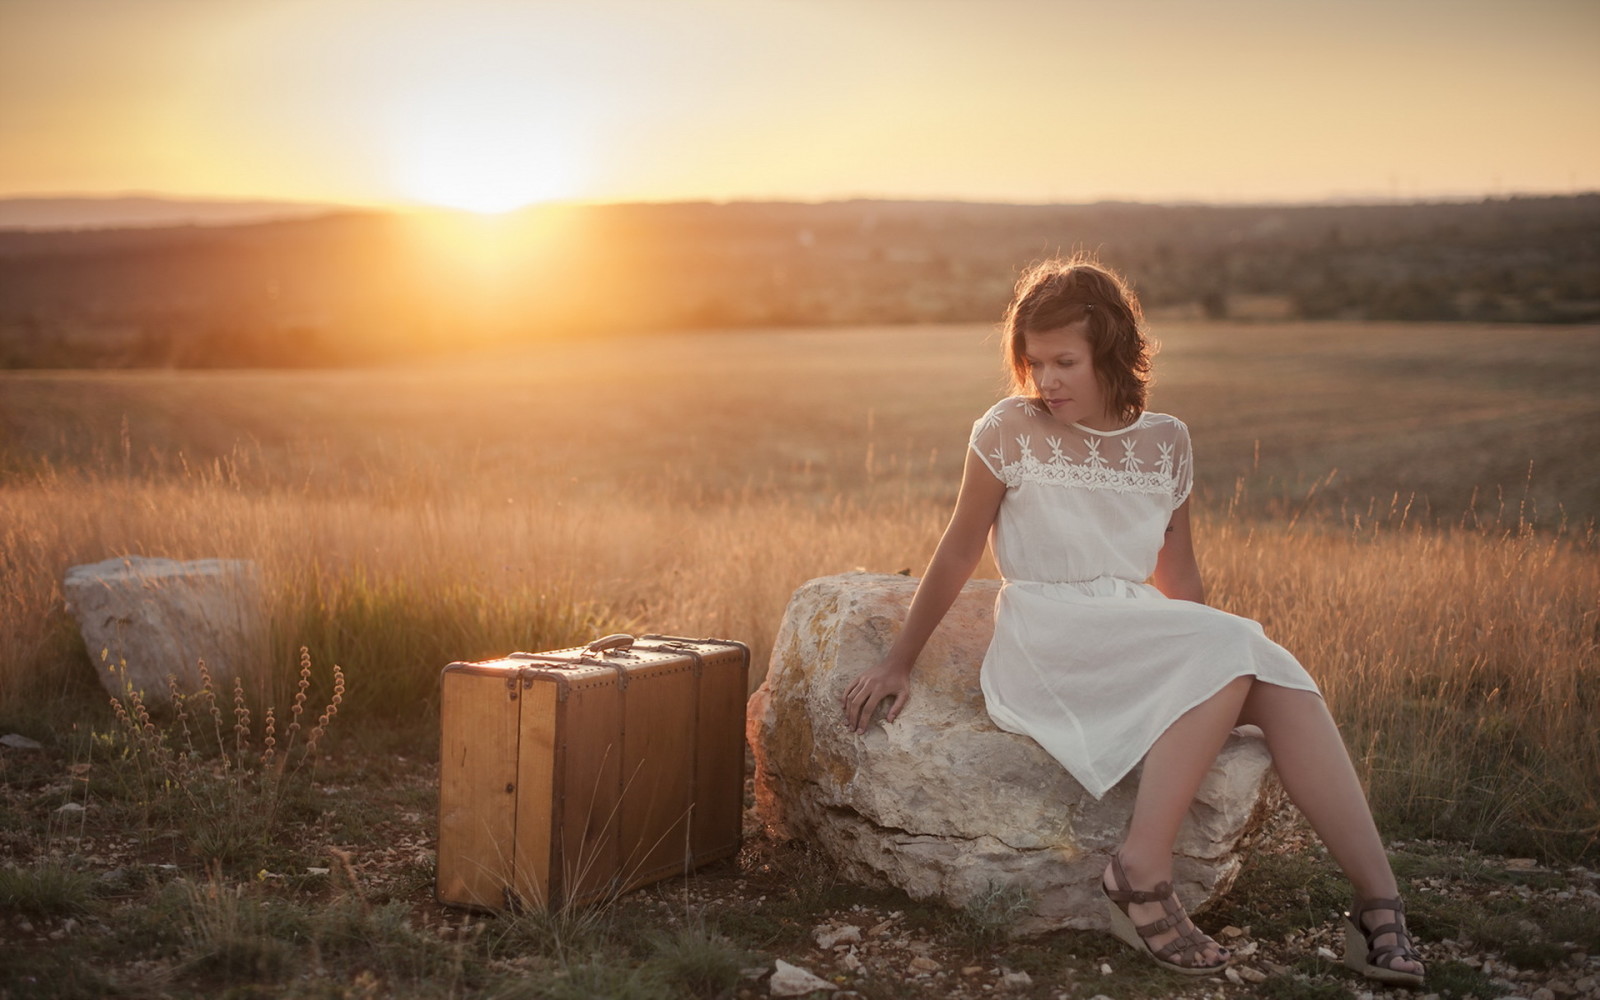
[1064,472]
[1154,455]
[1151,461]
[1130,461]
[1094,458]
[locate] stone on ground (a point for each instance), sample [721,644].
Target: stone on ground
[940,802]
[793,981]
[144,618]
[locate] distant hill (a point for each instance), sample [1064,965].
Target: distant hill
[121,211]
[355,287]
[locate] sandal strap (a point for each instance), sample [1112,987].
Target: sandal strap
[1155,895]
[1384,956]
[1155,927]
[1126,893]
[1364,906]
[1188,947]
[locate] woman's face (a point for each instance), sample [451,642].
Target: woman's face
[1061,366]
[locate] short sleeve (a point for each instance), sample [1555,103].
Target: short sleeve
[1183,471]
[987,440]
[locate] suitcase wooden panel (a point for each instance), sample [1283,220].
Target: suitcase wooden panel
[572,775]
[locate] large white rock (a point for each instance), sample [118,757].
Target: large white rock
[162,616]
[940,802]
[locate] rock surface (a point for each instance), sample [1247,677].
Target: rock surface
[154,617]
[940,802]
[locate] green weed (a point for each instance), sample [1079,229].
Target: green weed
[230,934]
[33,974]
[46,890]
[1299,986]
[1456,981]
[1279,892]
[988,918]
[695,958]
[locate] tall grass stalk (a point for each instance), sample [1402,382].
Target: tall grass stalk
[201,767]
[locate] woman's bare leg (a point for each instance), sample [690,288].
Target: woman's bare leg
[1312,763]
[1173,770]
[1316,771]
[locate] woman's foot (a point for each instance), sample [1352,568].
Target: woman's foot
[1377,945]
[1154,921]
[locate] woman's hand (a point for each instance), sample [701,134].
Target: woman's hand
[885,682]
[953,562]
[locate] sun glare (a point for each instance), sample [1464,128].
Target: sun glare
[491,250]
[483,177]
[466,145]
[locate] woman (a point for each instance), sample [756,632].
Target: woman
[1086,496]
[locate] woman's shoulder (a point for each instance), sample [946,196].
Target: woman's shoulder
[1009,409]
[1165,421]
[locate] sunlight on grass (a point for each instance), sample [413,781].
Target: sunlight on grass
[404,519]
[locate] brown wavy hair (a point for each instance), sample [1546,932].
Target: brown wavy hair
[1060,292]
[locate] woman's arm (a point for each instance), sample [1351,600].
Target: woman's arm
[953,562]
[1177,571]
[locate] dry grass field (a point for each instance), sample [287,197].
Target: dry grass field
[1410,508]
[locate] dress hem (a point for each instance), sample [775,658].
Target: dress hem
[1100,791]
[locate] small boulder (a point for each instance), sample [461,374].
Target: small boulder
[144,618]
[941,803]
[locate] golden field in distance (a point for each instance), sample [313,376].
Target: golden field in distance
[1409,508]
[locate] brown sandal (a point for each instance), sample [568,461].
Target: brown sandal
[1374,961]
[1182,953]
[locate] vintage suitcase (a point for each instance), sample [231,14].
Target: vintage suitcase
[571,775]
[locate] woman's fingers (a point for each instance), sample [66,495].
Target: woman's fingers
[859,708]
[864,695]
[859,705]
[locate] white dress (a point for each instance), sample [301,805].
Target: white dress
[1087,658]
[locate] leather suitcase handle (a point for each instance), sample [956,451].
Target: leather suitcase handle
[605,644]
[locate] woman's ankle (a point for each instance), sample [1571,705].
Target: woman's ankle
[1144,868]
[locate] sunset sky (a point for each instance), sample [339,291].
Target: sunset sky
[493,103]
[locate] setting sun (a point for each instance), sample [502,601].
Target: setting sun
[460,151]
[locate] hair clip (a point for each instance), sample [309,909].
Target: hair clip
[1088,307]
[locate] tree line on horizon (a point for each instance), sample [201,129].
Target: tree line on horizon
[358,287]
